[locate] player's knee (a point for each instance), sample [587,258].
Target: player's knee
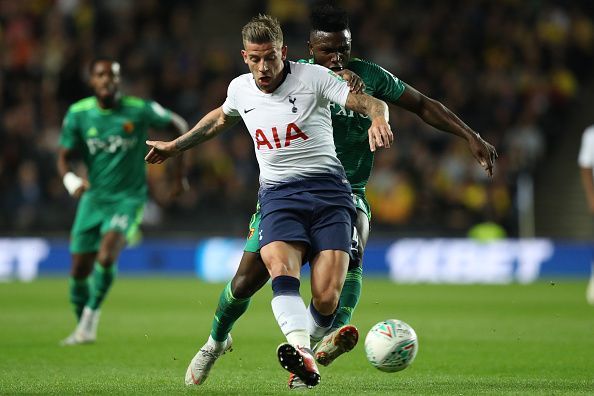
[278,267]
[82,265]
[106,259]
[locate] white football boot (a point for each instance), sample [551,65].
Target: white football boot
[335,344]
[203,361]
[86,329]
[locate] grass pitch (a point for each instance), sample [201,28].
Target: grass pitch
[517,339]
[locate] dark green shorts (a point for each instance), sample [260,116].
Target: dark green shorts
[252,243]
[95,218]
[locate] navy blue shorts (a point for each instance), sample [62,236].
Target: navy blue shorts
[317,211]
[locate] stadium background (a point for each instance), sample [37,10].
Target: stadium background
[519,72]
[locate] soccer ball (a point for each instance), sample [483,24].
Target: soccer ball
[391,345]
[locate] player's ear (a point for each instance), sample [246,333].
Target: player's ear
[284,52]
[244,56]
[310,48]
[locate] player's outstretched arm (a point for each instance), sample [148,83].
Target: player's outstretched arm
[380,133]
[75,184]
[439,116]
[208,127]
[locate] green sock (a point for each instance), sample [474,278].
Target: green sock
[228,311]
[349,297]
[102,280]
[79,294]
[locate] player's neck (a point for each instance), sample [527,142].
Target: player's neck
[109,102]
[281,78]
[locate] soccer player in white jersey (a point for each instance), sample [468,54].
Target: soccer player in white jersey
[586,163]
[306,204]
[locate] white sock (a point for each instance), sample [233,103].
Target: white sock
[299,338]
[217,346]
[316,332]
[291,315]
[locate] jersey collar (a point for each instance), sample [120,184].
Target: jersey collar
[286,72]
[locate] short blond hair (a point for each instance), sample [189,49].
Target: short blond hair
[262,29]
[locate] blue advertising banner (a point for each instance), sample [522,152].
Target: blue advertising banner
[404,260]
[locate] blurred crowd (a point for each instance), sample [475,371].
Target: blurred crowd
[510,69]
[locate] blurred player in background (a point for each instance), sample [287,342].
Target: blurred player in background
[307,211]
[107,132]
[586,163]
[330,46]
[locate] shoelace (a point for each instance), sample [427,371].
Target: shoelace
[209,356]
[205,364]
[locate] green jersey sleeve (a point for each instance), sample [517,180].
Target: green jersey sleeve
[158,116]
[70,137]
[386,86]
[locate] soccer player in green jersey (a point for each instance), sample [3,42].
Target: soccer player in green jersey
[107,132]
[330,46]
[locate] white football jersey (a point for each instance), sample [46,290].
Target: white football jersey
[586,156]
[291,127]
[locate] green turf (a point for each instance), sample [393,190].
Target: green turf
[532,339]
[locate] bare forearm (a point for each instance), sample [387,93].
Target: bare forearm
[368,105]
[63,163]
[433,113]
[197,135]
[63,167]
[75,185]
[437,115]
[378,108]
[208,127]
[380,134]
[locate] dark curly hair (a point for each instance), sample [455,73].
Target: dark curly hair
[326,16]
